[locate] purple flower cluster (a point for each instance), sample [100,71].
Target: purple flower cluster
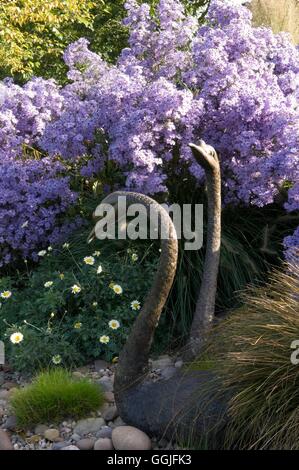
[33,198]
[33,194]
[234,85]
[25,112]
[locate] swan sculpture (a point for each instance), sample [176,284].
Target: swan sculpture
[172,406]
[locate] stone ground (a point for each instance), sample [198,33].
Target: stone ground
[101,430]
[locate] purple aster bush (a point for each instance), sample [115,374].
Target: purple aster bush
[24,113]
[32,201]
[34,196]
[232,84]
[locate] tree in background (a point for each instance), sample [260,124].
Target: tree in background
[34,33]
[281,15]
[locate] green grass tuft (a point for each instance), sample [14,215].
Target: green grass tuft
[55,395]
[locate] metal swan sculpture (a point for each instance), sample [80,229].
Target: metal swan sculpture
[172,406]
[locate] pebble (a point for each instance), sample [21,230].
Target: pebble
[77,375]
[109,396]
[4,394]
[119,422]
[75,437]
[51,434]
[130,438]
[85,444]
[110,413]
[40,429]
[106,384]
[105,431]
[10,423]
[9,385]
[5,442]
[88,426]
[103,444]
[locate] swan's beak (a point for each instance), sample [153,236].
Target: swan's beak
[202,148]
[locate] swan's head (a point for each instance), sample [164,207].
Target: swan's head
[204,154]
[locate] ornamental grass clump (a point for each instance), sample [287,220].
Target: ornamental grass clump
[256,359]
[54,395]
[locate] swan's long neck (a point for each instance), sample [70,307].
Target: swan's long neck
[133,359]
[205,307]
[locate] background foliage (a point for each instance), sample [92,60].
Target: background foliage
[282,15]
[34,33]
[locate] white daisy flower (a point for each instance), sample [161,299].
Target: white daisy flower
[6,294]
[99,270]
[96,253]
[48,284]
[114,324]
[117,289]
[89,260]
[56,359]
[42,253]
[75,289]
[16,338]
[135,305]
[104,339]
[134,257]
